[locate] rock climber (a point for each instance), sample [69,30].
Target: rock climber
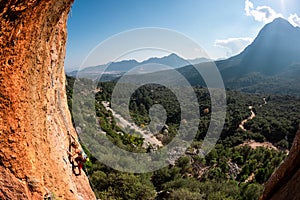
[81,157]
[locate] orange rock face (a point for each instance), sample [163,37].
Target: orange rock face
[284,182]
[34,117]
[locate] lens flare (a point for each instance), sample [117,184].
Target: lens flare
[282,4]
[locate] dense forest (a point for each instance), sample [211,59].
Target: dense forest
[238,166]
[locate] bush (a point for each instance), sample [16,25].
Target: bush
[252,191]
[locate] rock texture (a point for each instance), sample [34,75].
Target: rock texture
[285,181]
[34,116]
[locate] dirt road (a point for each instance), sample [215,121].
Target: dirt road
[149,138]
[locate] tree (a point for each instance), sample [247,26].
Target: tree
[184,193]
[252,191]
[261,175]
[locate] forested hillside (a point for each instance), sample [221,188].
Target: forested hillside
[238,166]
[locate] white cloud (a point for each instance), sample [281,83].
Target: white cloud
[234,45]
[248,7]
[294,20]
[264,14]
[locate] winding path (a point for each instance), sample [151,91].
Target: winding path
[246,120]
[253,144]
[251,116]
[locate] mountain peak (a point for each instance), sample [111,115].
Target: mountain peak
[170,56]
[280,20]
[279,23]
[173,55]
[170,60]
[276,47]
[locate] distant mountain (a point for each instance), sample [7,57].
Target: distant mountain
[276,47]
[172,60]
[270,64]
[199,60]
[113,69]
[116,69]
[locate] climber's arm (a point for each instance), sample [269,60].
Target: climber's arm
[71,154]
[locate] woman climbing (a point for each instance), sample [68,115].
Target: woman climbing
[80,159]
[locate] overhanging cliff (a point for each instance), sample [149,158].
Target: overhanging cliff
[34,116]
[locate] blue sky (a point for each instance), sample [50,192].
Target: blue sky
[221,27]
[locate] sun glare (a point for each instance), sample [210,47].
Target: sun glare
[283,4]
